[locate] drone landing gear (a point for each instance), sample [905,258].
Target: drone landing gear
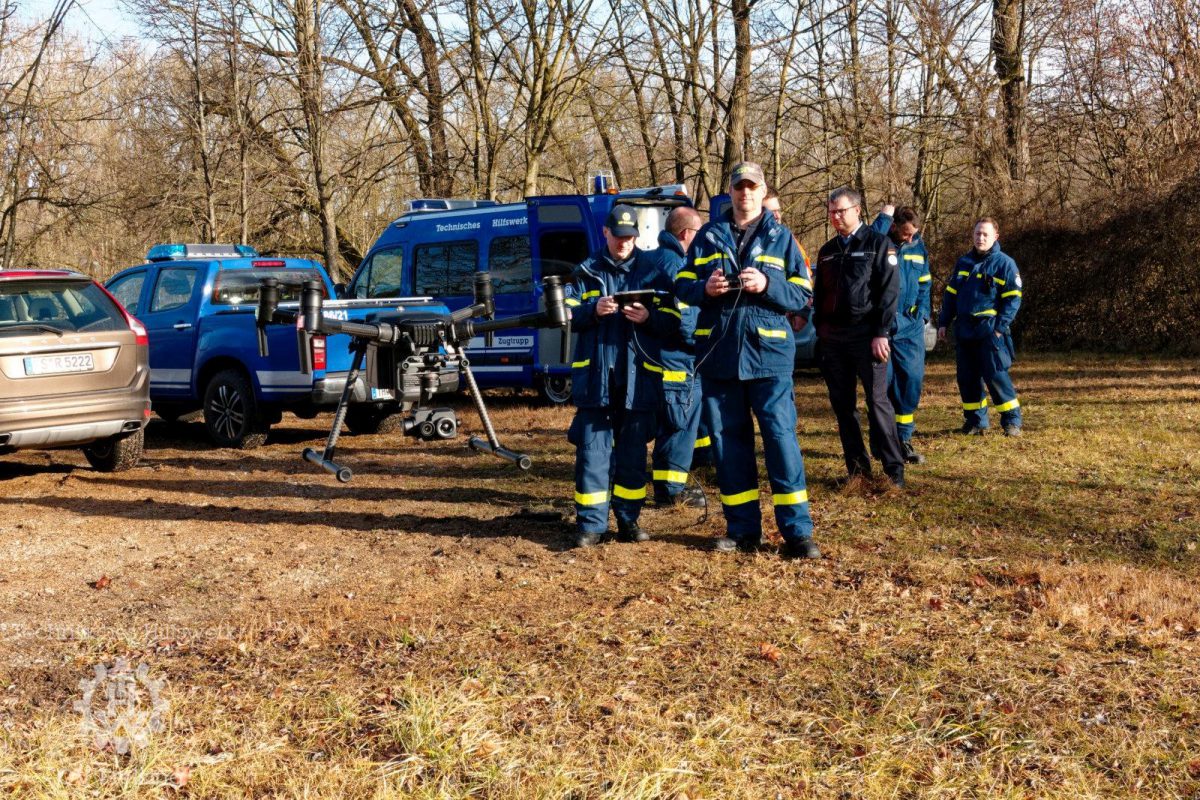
[492,445]
[427,424]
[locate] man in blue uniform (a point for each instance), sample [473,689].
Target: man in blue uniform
[981,301]
[906,367]
[854,306]
[604,383]
[667,382]
[745,272]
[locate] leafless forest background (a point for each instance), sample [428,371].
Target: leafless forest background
[300,126]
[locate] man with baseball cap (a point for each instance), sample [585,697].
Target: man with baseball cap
[604,385]
[745,272]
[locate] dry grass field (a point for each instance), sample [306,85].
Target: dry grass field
[1023,622]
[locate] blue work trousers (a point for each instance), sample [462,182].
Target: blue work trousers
[906,375]
[728,405]
[610,462]
[675,442]
[985,362]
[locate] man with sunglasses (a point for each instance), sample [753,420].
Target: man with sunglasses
[854,306]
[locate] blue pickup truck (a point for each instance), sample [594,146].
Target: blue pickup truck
[197,303]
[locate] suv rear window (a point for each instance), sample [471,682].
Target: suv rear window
[66,305]
[235,287]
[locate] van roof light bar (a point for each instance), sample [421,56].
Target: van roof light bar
[170,252]
[447,204]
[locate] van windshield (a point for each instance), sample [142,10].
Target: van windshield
[235,287]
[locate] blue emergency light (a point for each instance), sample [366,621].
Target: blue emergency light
[168,252]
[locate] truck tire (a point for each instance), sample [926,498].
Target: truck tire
[555,389]
[364,420]
[231,414]
[116,453]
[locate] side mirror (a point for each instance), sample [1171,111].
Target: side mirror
[339,290]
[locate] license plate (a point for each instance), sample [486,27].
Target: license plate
[57,365]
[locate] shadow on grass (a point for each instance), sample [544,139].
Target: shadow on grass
[11,470]
[331,490]
[550,534]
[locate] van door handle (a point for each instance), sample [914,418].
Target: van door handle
[182,326]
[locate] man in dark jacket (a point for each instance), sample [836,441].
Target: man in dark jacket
[854,306]
[668,387]
[745,272]
[604,382]
[981,301]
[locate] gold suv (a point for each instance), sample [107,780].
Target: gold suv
[74,368]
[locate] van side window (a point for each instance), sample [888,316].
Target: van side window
[510,264]
[173,289]
[384,275]
[445,270]
[128,290]
[562,251]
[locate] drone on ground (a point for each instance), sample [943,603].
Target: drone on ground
[412,356]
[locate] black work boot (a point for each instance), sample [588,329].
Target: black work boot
[692,497]
[911,456]
[631,533]
[588,539]
[971,429]
[804,548]
[727,544]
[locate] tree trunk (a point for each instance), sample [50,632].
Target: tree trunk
[310,79]
[739,94]
[441,179]
[1008,44]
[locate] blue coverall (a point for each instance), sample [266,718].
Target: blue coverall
[667,368]
[906,367]
[745,353]
[611,411]
[981,300]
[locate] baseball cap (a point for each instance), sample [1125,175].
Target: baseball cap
[622,221]
[746,171]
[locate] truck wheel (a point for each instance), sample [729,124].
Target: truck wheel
[364,420]
[117,453]
[231,415]
[556,389]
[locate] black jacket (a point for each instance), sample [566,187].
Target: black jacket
[856,287]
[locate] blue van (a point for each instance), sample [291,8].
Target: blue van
[436,246]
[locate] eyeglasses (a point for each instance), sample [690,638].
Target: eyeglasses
[840,212]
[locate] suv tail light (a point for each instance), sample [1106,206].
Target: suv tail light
[135,325]
[318,352]
[139,330]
